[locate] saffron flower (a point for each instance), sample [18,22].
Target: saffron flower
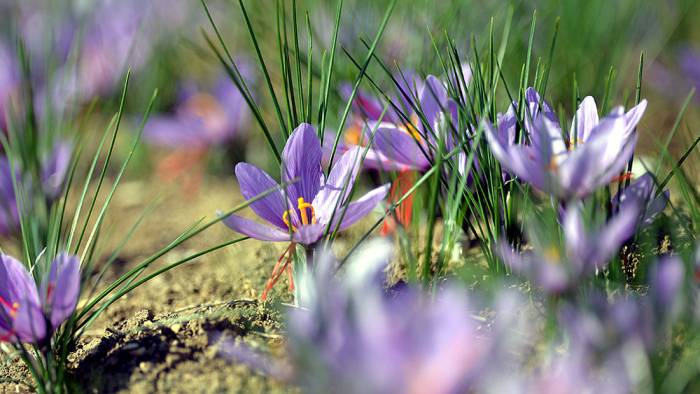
[29,314]
[596,152]
[352,337]
[311,203]
[413,145]
[54,169]
[558,269]
[202,119]
[643,193]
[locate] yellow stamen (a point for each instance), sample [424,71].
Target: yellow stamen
[353,135]
[302,206]
[411,129]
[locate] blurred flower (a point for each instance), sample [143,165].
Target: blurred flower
[597,151]
[557,271]
[9,213]
[311,202]
[54,170]
[9,81]
[413,144]
[28,314]
[643,193]
[202,119]
[351,337]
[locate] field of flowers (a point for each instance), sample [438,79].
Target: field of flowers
[348,196]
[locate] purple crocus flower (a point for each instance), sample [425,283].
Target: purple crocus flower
[414,145]
[643,193]
[202,119]
[55,168]
[29,315]
[351,337]
[9,81]
[598,150]
[9,214]
[556,271]
[311,202]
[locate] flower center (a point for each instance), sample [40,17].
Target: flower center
[303,207]
[11,307]
[552,254]
[353,135]
[410,128]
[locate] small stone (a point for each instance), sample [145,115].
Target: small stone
[176,327]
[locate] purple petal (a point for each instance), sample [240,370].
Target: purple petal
[634,115]
[586,119]
[575,234]
[309,233]
[29,323]
[63,288]
[362,207]
[176,131]
[256,230]
[254,182]
[15,281]
[301,159]
[614,234]
[54,170]
[433,99]
[519,160]
[18,290]
[342,175]
[667,282]
[399,146]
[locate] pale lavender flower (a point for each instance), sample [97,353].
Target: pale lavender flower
[55,168]
[643,193]
[557,269]
[29,315]
[202,119]
[351,337]
[598,150]
[415,144]
[310,203]
[9,214]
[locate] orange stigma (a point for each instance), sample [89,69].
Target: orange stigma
[11,306]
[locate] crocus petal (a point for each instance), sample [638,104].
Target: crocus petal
[667,282]
[17,288]
[586,119]
[519,160]
[634,115]
[54,170]
[256,230]
[401,147]
[16,283]
[175,132]
[309,233]
[341,179]
[615,233]
[642,192]
[362,207]
[575,234]
[301,159]
[63,288]
[254,182]
[433,99]
[29,323]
